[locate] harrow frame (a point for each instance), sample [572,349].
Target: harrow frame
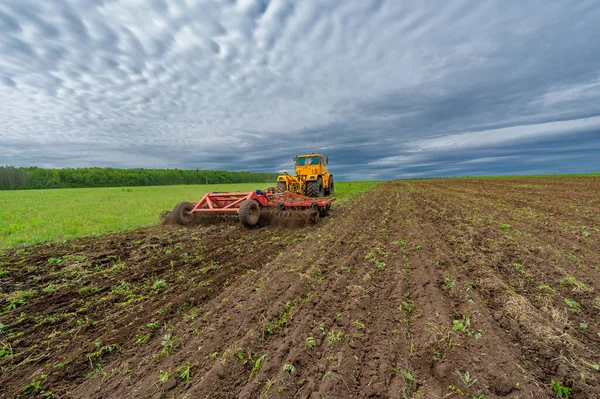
[248,204]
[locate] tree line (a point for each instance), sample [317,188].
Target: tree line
[16,178]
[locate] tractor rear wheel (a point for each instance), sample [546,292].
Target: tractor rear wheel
[312,189]
[281,187]
[329,190]
[249,213]
[182,213]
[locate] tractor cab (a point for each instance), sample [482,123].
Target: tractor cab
[312,160]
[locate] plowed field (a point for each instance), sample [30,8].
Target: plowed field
[427,288]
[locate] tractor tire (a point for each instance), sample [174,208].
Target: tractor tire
[182,213]
[321,188]
[281,187]
[249,213]
[329,190]
[312,189]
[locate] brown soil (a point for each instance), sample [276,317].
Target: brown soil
[427,288]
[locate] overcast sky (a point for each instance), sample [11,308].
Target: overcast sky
[386,88]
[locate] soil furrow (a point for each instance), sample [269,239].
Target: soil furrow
[422,288]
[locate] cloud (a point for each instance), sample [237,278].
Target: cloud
[386,89]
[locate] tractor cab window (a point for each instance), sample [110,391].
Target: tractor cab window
[301,161]
[313,160]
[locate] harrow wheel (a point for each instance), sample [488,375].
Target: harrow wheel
[249,213]
[182,213]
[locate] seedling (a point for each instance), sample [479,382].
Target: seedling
[358,325]
[35,385]
[159,284]
[6,350]
[269,327]
[50,288]
[561,391]
[185,257]
[184,373]
[449,282]
[101,350]
[504,226]
[266,388]
[578,285]
[518,266]
[15,303]
[463,326]
[87,291]
[96,370]
[408,377]
[258,364]
[310,341]
[141,338]
[164,377]
[466,378]
[571,256]
[168,345]
[573,305]
[335,336]
[289,368]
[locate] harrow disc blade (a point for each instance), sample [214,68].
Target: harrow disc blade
[289,218]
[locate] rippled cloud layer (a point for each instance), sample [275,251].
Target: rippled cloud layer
[387,89]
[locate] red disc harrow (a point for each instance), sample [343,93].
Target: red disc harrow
[248,205]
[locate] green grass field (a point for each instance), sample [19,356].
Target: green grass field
[30,217]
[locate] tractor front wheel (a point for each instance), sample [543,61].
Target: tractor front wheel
[313,188]
[321,188]
[281,187]
[183,213]
[249,213]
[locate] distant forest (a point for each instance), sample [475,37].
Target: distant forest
[13,178]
